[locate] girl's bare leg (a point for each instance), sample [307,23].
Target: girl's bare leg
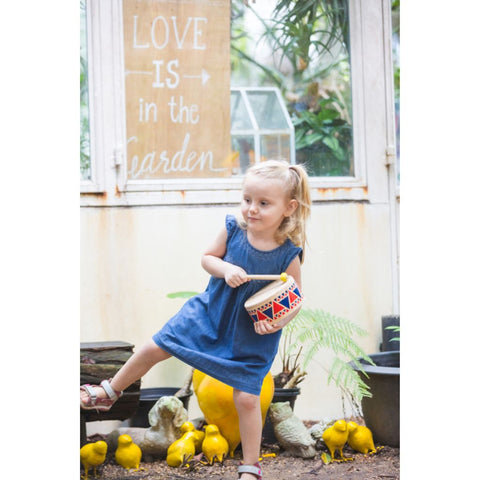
[133,369]
[250,422]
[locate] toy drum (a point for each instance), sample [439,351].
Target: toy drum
[274,302]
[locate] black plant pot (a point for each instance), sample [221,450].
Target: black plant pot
[280,395]
[148,398]
[381,412]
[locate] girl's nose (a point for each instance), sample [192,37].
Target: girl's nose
[253,207]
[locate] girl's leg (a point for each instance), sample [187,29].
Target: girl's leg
[133,369]
[250,422]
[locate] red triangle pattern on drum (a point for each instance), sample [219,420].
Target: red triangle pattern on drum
[277,308]
[261,316]
[292,296]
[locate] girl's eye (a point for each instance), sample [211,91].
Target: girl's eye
[246,200]
[264,203]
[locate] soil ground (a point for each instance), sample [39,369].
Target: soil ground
[385,464]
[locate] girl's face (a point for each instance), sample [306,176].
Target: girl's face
[265,204]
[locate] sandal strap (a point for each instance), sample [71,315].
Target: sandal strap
[112,394]
[255,469]
[90,391]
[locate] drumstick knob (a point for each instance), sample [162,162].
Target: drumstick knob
[283,277]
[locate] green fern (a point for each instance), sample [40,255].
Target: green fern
[314,330]
[348,379]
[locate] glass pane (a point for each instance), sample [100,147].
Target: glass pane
[308,60]
[396,77]
[244,146]
[85,167]
[275,146]
[240,119]
[267,110]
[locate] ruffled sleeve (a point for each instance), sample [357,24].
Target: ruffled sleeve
[231,225]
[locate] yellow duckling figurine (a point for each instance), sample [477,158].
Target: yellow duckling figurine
[335,438]
[181,450]
[215,446]
[215,400]
[360,438]
[93,455]
[128,454]
[198,435]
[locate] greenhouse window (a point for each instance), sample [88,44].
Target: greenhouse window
[260,127]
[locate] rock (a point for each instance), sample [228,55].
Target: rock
[316,431]
[290,431]
[165,417]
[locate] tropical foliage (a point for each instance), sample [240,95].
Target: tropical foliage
[317,330]
[309,45]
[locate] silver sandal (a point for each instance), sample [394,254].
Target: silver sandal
[99,404]
[253,469]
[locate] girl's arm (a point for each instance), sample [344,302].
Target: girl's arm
[213,263]
[263,327]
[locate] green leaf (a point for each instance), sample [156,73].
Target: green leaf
[395,328]
[181,294]
[326,458]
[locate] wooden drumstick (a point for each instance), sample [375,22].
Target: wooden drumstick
[283,276]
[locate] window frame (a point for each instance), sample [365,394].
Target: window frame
[109,184]
[96,182]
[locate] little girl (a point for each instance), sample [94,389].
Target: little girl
[213,332]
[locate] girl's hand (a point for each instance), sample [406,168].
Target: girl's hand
[263,327]
[235,276]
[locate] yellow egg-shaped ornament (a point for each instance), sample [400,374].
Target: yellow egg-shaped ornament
[215,400]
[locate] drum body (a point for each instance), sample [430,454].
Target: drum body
[275,302]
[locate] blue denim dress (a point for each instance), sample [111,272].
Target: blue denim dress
[213,332]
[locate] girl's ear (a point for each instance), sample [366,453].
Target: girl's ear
[291,207]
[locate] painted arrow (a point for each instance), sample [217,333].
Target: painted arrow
[136,72]
[204,76]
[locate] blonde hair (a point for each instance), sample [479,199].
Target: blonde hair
[295,180]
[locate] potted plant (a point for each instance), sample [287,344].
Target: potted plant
[314,330]
[381,411]
[302,338]
[287,380]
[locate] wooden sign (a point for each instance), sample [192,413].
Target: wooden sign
[177,85]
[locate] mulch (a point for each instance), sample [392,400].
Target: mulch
[385,464]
